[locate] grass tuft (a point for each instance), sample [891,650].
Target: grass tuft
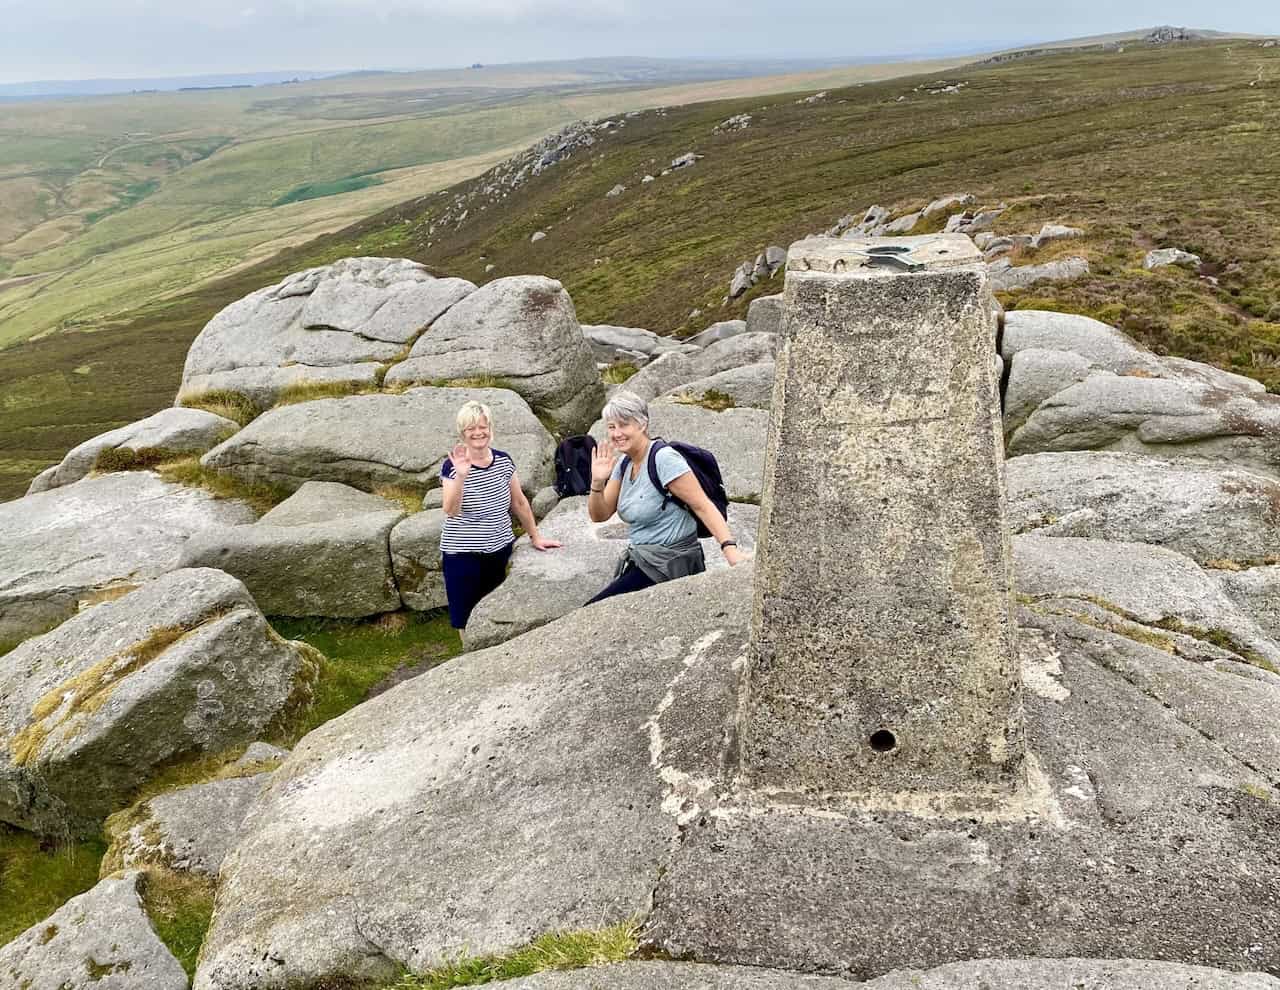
[127,459]
[310,391]
[712,399]
[409,499]
[558,950]
[180,906]
[223,402]
[476,381]
[38,876]
[618,372]
[188,471]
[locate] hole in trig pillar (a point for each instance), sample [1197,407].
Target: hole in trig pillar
[883,741]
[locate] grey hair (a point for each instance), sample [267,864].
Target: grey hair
[626,407]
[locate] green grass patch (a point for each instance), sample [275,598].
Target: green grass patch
[318,190]
[38,876]
[188,471]
[180,907]
[310,391]
[224,402]
[131,194]
[1220,638]
[142,459]
[559,950]
[409,499]
[359,654]
[618,372]
[475,381]
[712,399]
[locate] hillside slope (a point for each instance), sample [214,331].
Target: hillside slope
[1150,147]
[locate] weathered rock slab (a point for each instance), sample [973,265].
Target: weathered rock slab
[544,585]
[336,323]
[100,940]
[522,329]
[372,441]
[1005,277]
[610,343]
[718,331]
[1256,590]
[677,976]
[416,559]
[750,387]
[189,830]
[1206,511]
[184,665]
[672,370]
[322,551]
[170,431]
[1148,584]
[551,749]
[71,546]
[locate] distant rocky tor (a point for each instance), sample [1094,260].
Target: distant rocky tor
[575,768]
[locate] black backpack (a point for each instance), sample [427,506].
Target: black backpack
[704,467]
[573,465]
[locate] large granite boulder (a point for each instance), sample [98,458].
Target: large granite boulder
[544,585]
[764,315]
[1006,277]
[1209,512]
[322,551]
[1101,345]
[376,441]
[523,330]
[416,559]
[979,974]
[735,436]
[98,537]
[1144,584]
[672,370]
[750,386]
[1169,417]
[717,332]
[100,940]
[1256,590]
[168,433]
[342,323]
[89,712]
[188,830]
[584,774]
[639,347]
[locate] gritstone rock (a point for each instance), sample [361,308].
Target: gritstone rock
[718,331]
[100,940]
[340,323]
[1256,590]
[764,314]
[185,665]
[189,830]
[669,371]
[947,203]
[322,551]
[92,539]
[1206,511]
[1170,256]
[415,555]
[169,432]
[523,330]
[1004,276]
[1054,232]
[750,386]
[371,441]
[609,344]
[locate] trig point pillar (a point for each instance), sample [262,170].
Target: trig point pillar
[882,641]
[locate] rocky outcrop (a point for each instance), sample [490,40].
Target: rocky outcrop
[1170,256]
[639,347]
[717,332]
[750,386]
[749,273]
[1209,512]
[100,940]
[375,441]
[96,538]
[672,370]
[543,586]
[322,551]
[185,665]
[1005,276]
[1146,584]
[522,330]
[764,315]
[168,433]
[1256,590]
[342,323]
[188,830]
[415,556]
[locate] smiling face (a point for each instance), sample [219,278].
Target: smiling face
[477,435]
[628,436]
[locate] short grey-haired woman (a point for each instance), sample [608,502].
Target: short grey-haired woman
[481,493]
[664,532]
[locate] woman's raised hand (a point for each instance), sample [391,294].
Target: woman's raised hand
[461,458]
[603,458]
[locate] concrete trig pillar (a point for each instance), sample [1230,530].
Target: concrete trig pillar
[882,639]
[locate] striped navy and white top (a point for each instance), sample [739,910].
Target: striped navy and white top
[485,523]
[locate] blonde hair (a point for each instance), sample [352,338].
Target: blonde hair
[472,413]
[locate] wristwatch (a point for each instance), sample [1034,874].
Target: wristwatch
[728,543]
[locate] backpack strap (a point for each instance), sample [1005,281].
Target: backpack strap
[655,445]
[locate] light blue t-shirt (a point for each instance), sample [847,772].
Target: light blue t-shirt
[640,504]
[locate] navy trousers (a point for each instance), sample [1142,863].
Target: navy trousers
[468,577]
[632,579]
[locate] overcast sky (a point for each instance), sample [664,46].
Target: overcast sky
[78,39]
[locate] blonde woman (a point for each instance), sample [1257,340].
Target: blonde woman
[481,493]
